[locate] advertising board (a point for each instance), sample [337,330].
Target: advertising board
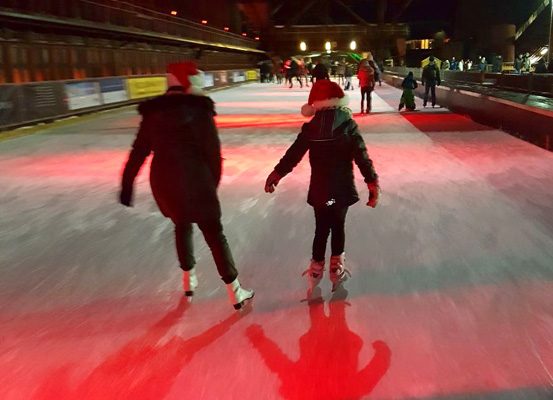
[82,95]
[139,88]
[113,90]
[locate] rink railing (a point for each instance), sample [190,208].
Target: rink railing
[29,103]
[540,84]
[525,121]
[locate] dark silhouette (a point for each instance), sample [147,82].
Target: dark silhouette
[430,79]
[329,351]
[144,368]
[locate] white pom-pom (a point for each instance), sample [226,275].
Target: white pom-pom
[307,110]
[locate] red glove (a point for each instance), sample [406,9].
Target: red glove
[374,192]
[272,181]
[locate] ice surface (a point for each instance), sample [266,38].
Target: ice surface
[451,294]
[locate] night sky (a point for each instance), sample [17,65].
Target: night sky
[424,16]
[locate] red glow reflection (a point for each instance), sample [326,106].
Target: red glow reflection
[328,364]
[255,120]
[443,122]
[141,369]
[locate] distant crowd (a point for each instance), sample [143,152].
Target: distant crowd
[304,71]
[522,64]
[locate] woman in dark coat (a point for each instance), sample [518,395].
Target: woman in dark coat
[178,127]
[334,142]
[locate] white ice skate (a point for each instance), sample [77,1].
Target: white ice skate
[189,282]
[314,273]
[237,295]
[338,271]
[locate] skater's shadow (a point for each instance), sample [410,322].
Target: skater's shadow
[144,368]
[329,351]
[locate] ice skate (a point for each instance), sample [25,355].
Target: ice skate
[189,282]
[314,273]
[338,271]
[237,295]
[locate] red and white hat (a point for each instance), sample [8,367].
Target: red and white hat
[324,94]
[187,75]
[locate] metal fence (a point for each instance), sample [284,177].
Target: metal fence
[540,84]
[125,14]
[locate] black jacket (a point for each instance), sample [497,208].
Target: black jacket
[186,167]
[334,142]
[431,75]
[320,72]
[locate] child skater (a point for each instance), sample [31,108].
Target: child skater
[333,140]
[366,83]
[409,84]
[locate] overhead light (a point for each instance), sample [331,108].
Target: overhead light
[257,38]
[204,21]
[226,28]
[173,12]
[353,45]
[328,46]
[244,34]
[303,46]
[544,51]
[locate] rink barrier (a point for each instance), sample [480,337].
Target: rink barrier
[30,103]
[539,84]
[531,124]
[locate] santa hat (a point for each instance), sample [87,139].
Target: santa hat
[187,75]
[324,94]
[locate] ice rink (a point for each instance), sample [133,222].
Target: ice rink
[451,295]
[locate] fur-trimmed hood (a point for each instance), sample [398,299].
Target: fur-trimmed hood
[308,110]
[172,100]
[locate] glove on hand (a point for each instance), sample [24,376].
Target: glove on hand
[125,197]
[374,192]
[272,181]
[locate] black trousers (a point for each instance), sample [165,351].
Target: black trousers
[217,242]
[289,79]
[327,220]
[432,89]
[366,91]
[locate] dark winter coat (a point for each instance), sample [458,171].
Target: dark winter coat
[431,75]
[294,69]
[333,140]
[186,167]
[320,72]
[409,83]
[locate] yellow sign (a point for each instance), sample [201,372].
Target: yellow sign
[146,87]
[251,75]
